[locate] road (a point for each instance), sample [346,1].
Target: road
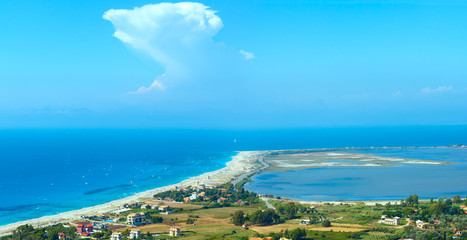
[241,177]
[267,203]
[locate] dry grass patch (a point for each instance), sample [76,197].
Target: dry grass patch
[336,227]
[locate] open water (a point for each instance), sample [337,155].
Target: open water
[44,172]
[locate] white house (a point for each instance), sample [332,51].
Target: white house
[135,218]
[163,208]
[305,222]
[194,196]
[420,224]
[174,232]
[134,234]
[116,236]
[390,221]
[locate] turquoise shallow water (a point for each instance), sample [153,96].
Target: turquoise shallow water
[44,172]
[372,183]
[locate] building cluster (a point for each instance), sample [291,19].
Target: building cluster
[150,206]
[85,230]
[390,221]
[195,196]
[134,234]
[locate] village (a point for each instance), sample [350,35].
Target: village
[228,211]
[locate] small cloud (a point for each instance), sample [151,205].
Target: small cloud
[429,90]
[156,85]
[398,93]
[247,55]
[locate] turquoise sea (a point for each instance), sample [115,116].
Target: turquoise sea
[45,172]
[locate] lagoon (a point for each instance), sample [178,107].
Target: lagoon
[372,183]
[48,171]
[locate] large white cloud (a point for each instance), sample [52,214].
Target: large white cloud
[178,35]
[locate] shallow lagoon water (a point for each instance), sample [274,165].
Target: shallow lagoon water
[372,183]
[44,172]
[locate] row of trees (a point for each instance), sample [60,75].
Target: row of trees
[260,217]
[27,232]
[413,200]
[295,234]
[289,210]
[226,191]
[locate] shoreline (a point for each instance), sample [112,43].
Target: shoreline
[245,162]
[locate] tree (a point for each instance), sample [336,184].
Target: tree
[297,234]
[448,201]
[238,218]
[156,219]
[281,209]
[126,233]
[355,235]
[454,210]
[266,217]
[52,234]
[98,235]
[457,199]
[23,232]
[438,208]
[190,221]
[275,236]
[415,199]
[148,236]
[326,223]
[291,210]
[407,211]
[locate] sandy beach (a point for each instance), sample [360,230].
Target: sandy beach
[242,163]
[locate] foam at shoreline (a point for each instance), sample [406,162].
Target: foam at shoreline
[242,163]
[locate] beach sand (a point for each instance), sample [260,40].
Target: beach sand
[243,163]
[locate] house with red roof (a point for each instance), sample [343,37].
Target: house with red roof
[85,230]
[464,208]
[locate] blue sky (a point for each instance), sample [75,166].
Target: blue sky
[252,63]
